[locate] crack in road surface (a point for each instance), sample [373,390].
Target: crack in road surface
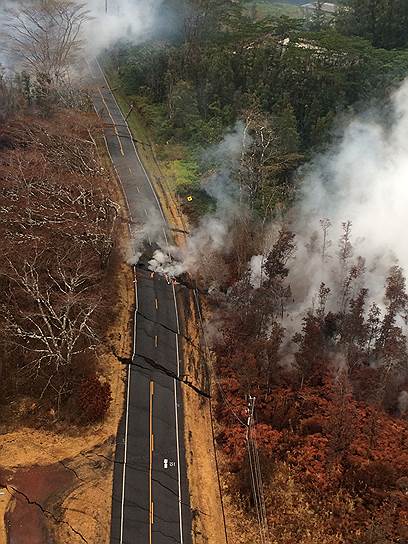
[43,510]
[182,379]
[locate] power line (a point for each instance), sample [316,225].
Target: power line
[256,474]
[212,371]
[254,486]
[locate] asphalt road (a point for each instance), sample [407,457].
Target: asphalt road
[150,491]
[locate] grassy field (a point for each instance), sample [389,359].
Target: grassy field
[270,8]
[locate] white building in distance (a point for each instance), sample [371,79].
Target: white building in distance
[328,8]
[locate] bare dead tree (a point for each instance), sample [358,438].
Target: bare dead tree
[49,317]
[254,171]
[45,37]
[263,172]
[341,427]
[325,225]
[48,188]
[56,235]
[345,250]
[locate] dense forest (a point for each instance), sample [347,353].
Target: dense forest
[215,64]
[330,381]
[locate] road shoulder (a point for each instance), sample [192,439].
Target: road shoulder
[205,498]
[85,454]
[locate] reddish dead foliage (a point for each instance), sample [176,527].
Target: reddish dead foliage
[94,398]
[326,404]
[57,229]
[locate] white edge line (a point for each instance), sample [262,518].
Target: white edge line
[127,412]
[136,153]
[175,305]
[177,317]
[120,181]
[136,295]
[133,143]
[134,334]
[125,455]
[113,122]
[177,442]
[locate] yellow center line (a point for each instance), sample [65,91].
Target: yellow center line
[156,341]
[120,143]
[151,460]
[113,122]
[156,302]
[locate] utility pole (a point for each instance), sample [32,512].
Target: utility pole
[106,7]
[250,420]
[132,105]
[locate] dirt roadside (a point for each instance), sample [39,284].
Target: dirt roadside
[80,509]
[204,487]
[79,460]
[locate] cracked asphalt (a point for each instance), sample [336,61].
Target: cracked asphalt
[150,494]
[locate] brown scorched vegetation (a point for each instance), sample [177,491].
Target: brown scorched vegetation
[57,230]
[330,414]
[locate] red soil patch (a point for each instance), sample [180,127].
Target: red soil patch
[26,523]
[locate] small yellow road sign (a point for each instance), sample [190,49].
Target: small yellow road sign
[189,198]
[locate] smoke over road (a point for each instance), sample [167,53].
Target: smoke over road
[212,233]
[363,178]
[113,20]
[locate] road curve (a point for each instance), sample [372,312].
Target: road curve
[150,491]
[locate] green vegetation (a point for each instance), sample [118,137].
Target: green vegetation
[177,162]
[265,8]
[226,65]
[383,22]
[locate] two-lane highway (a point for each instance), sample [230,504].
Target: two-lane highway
[150,492]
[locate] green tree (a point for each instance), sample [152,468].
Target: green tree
[183,108]
[319,20]
[383,22]
[286,124]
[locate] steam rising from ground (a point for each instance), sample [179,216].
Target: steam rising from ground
[403,402]
[363,179]
[213,232]
[128,20]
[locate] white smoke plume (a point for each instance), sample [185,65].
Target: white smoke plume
[152,230]
[108,22]
[115,20]
[363,179]
[403,402]
[256,271]
[212,233]
[6,62]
